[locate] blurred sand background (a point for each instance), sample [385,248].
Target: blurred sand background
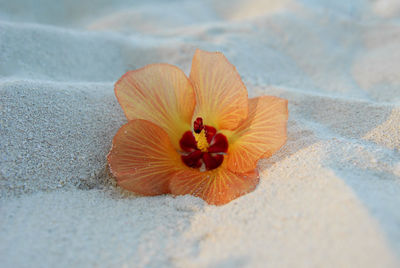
[329,198]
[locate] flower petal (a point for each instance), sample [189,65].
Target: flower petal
[221,96]
[261,135]
[159,93]
[142,158]
[217,187]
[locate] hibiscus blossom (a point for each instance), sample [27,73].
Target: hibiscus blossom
[199,135]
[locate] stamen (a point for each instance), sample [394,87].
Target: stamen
[201,140]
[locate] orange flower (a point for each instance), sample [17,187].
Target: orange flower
[199,135]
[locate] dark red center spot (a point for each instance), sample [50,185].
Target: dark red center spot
[214,156]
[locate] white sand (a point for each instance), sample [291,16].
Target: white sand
[329,198]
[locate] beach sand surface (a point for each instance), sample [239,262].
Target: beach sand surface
[329,198]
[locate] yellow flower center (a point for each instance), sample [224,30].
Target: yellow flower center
[201,140]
